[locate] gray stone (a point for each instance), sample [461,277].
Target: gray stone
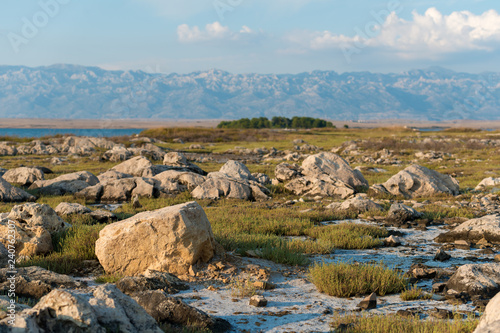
[476,279]
[490,320]
[402,213]
[23,176]
[487,227]
[9,193]
[65,208]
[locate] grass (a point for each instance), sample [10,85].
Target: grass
[242,288]
[414,293]
[108,278]
[349,236]
[71,247]
[364,323]
[342,279]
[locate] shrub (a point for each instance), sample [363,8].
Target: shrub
[349,235]
[343,279]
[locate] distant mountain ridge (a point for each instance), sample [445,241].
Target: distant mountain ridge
[79,92]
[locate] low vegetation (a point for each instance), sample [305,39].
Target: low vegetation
[342,279]
[364,323]
[414,293]
[277,122]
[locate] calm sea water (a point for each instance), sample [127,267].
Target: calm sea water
[39,132]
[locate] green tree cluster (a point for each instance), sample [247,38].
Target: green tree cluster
[276,122]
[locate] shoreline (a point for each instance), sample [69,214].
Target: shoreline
[212,123]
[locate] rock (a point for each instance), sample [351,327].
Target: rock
[56,161]
[106,310]
[34,224]
[441,255]
[35,281]
[487,182]
[112,175]
[476,279]
[333,166]
[117,154]
[261,178]
[9,193]
[402,213]
[359,204]
[65,208]
[165,309]
[7,150]
[120,190]
[438,287]
[180,163]
[231,183]
[441,314]
[151,280]
[490,320]
[497,258]
[103,216]
[4,256]
[135,202]
[138,166]
[66,184]
[196,146]
[37,215]
[370,302]
[172,181]
[285,172]
[23,176]
[487,227]
[392,241]
[182,232]
[323,186]
[258,301]
[418,181]
[419,272]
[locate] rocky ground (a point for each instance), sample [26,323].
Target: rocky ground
[151,234]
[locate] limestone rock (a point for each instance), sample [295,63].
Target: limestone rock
[35,281]
[66,184]
[112,175]
[258,301]
[487,227]
[37,215]
[120,190]
[138,166]
[23,176]
[165,309]
[476,279]
[490,320]
[170,239]
[237,170]
[151,280]
[418,181]
[359,204]
[487,182]
[369,302]
[334,166]
[180,163]
[65,208]
[322,185]
[285,172]
[441,255]
[9,193]
[402,213]
[179,180]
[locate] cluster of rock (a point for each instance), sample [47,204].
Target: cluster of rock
[324,174]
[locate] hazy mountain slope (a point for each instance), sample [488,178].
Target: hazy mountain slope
[67,91]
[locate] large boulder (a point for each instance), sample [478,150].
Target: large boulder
[9,193]
[487,182]
[37,215]
[476,279]
[171,239]
[66,184]
[418,181]
[35,281]
[487,227]
[233,181]
[117,154]
[138,166]
[402,213]
[490,320]
[23,176]
[105,310]
[333,166]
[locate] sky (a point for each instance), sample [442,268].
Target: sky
[253,36]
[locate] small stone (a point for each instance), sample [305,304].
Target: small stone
[258,301]
[264,285]
[438,287]
[441,314]
[497,258]
[405,313]
[441,255]
[392,241]
[135,202]
[211,288]
[370,302]
[462,244]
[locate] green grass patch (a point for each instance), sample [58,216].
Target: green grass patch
[108,278]
[349,236]
[342,279]
[414,293]
[391,323]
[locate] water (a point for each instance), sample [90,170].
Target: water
[96,132]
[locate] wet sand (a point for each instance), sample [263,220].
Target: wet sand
[211,123]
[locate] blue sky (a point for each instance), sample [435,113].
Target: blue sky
[244,36]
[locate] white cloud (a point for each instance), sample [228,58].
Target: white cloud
[428,35]
[212,32]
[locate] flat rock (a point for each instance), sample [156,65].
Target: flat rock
[66,184]
[476,279]
[474,230]
[65,208]
[9,193]
[23,176]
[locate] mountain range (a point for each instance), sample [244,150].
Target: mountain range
[79,92]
